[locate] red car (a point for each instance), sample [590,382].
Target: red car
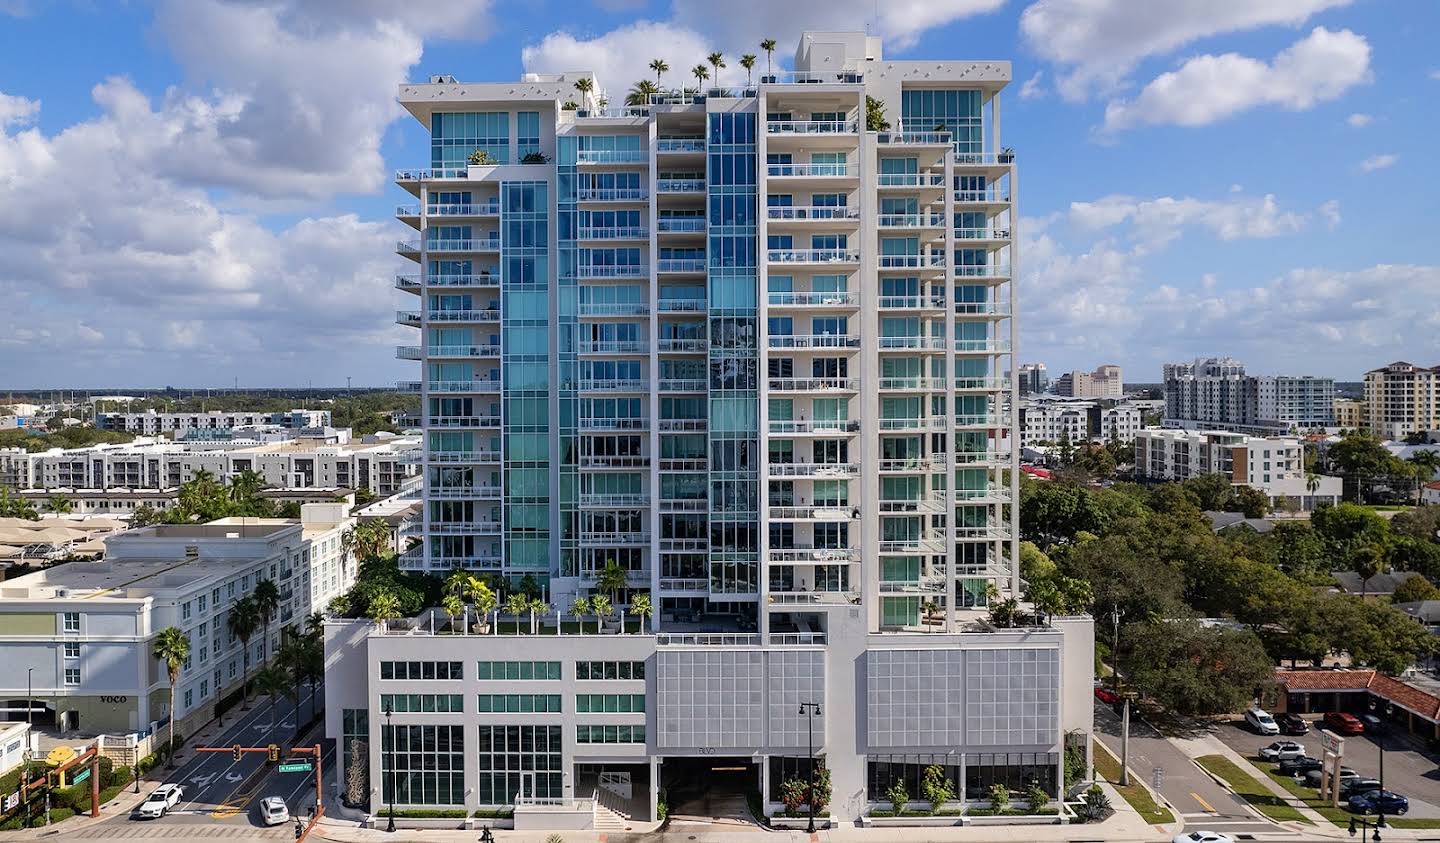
[1343,724]
[1107,696]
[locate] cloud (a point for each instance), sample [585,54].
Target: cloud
[1330,212]
[1101,41]
[1154,223]
[1032,87]
[17,111]
[1379,162]
[622,56]
[1209,88]
[1358,120]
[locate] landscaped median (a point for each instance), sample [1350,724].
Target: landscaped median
[1339,816]
[1108,765]
[1251,789]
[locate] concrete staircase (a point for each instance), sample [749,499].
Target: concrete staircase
[608,819]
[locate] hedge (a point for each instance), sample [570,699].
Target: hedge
[431,813]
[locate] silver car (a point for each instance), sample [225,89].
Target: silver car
[160,802]
[273,811]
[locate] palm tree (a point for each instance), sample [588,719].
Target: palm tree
[453,606]
[659,66]
[640,607]
[611,579]
[641,92]
[717,61]
[1368,561]
[172,646]
[700,74]
[537,606]
[768,45]
[481,596]
[516,605]
[369,539]
[747,61]
[273,681]
[315,626]
[585,85]
[242,621]
[384,606]
[267,601]
[290,661]
[59,504]
[600,605]
[579,609]
[1425,464]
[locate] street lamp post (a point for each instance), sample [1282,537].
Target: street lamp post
[1380,742]
[389,713]
[811,710]
[29,694]
[1361,826]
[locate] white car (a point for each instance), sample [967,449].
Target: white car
[1261,721]
[160,801]
[1281,750]
[1203,837]
[273,811]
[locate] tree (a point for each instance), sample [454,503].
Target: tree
[875,115]
[579,609]
[1211,492]
[717,61]
[1347,530]
[1250,501]
[700,74]
[659,66]
[516,604]
[172,647]
[366,539]
[640,607]
[611,579]
[747,61]
[935,787]
[481,596]
[1368,561]
[898,796]
[267,602]
[600,605]
[242,621]
[1415,589]
[59,504]
[537,607]
[1360,458]
[768,45]
[585,85]
[384,607]
[999,794]
[145,515]
[453,606]
[16,507]
[641,92]
[1197,670]
[292,664]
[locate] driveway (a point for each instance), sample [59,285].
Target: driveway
[1408,770]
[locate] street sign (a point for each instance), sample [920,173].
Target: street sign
[81,776]
[12,800]
[296,767]
[1332,743]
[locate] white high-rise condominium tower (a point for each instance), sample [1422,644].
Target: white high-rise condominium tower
[752,351]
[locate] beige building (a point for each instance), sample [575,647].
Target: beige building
[1350,413]
[1402,398]
[1106,381]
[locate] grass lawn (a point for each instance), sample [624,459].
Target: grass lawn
[1340,816]
[1139,798]
[1250,789]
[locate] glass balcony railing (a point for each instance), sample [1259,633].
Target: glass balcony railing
[814,299]
[483,350]
[905,138]
[812,256]
[913,180]
[614,309]
[796,213]
[810,127]
[612,156]
[683,385]
[491,314]
[614,232]
[674,145]
[611,194]
[680,265]
[472,385]
[679,305]
[813,341]
[680,186]
[819,426]
[911,221]
[808,170]
[604,385]
[933,301]
[814,384]
[613,271]
[612,347]
[680,225]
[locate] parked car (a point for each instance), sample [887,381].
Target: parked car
[1299,765]
[1355,787]
[1107,696]
[1261,721]
[160,801]
[1203,837]
[1293,724]
[1280,750]
[1370,721]
[1379,802]
[1344,724]
[1312,778]
[273,811]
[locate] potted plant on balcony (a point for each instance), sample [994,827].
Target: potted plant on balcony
[482,158]
[768,45]
[535,158]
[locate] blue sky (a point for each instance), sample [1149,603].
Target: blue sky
[195,191]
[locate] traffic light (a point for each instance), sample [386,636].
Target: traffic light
[239,752]
[274,750]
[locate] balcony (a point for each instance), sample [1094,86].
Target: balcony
[982,308]
[985,458]
[986,271]
[484,209]
[933,502]
[813,341]
[835,598]
[602,309]
[597,461]
[815,300]
[613,232]
[593,385]
[483,528]
[589,539]
[475,492]
[612,156]
[680,265]
[464,456]
[431,175]
[981,384]
[477,562]
[814,384]
[407,386]
[814,470]
[612,347]
[990,196]
[611,194]
[615,424]
[904,138]
[409,352]
[1004,157]
[812,555]
[911,221]
[605,500]
[408,318]
[491,419]
[673,146]
[811,127]
[408,283]
[810,171]
[473,385]
[994,494]
[680,186]
[914,383]
[992,234]
[693,585]
[1000,531]
[684,465]
[624,270]
[808,213]
[436,247]
[982,346]
[814,513]
[682,345]
[934,260]
[933,301]
[676,305]
[786,427]
[680,225]
[816,256]
[488,315]
[913,546]
[683,385]
[912,344]
[914,465]
[909,181]
[914,424]
[982,421]
[487,350]
[684,425]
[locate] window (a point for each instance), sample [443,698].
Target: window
[72,676]
[401,703]
[412,671]
[609,670]
[610,734]
[71,622]
[518,703]
[422,765]
[517,670]
[189,698]
[610,703]
[515,757]
[204,688]
[72,650]
[200,604]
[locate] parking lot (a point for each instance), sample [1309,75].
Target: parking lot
[1408,771]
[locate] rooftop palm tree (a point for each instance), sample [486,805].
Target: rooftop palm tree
[267,601]
[641,92]
[700,74]
[516,604]
[537,606]
[579,609]
[172,646]
[747,61]
[585,85]
[481,596]
[717,61]
[659,66]
[640,607]
[600,605]
[768,45]
[242,621]
[367,539]
[453,606]
[611,579]
[384,606]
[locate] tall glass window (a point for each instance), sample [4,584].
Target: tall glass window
[423,765]
[455,135]
[955,111]
[518,760]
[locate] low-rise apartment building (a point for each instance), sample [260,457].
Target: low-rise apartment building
[1055,420]
[1215,393]
[1401,399]
[1275,466]
[1350,413]
[84,631]
[1105,382]
[152,423]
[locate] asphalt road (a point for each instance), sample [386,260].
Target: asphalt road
[1408,771]
[1201,802]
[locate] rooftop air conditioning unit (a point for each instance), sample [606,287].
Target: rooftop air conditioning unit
[192,551]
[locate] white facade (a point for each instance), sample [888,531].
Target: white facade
[1216,394]
[152,423]
[1275,466]
[87,628]
[1053,420]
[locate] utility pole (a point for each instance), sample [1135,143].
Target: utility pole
[1125,744]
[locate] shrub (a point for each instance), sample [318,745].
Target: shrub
[554,838]
[792,793]
[1036,798]
[1095,806]
[936,786]
[431,813]
[898,796]
[999,796]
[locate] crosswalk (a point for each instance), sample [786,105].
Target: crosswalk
[177,831]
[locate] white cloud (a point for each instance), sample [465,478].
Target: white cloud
[1033,87]
[1156,222]
[1330,212]
[17,111]
[1379,162]
[1208,88]
[622,56]
[1358,120]
[1101,41]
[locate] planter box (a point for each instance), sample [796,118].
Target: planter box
[379,822]
[902,822]
[1015,819]
[802,823]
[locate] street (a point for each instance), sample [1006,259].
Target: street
[1201,802]
[1408,771]
[223,794]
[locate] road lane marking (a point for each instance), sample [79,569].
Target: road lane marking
[1198,798]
